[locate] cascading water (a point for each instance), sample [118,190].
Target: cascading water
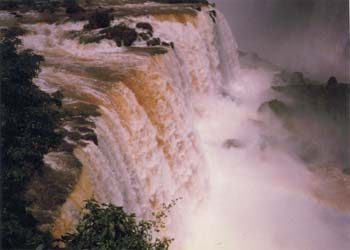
[147,152]
[183,124]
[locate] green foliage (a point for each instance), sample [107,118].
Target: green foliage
[107,227]
[28,121]
[39,5]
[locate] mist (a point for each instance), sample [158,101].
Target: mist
[261,195]
[311,36]
[189,125]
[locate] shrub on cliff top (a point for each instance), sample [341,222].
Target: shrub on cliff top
[105,226]
[28,122]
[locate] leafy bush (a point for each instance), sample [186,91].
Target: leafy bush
[29,118]
[107,227]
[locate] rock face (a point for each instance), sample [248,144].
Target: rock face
[99,19]
[212,15]
[276,106]
[145,26]
[316,116]
[294,78]
[153,42]
[297,78]
[73,8]
[232,143]
[12,32]
[332,82]
[121,34]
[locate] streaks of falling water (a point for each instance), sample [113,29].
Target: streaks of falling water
[159,115]
[148,150]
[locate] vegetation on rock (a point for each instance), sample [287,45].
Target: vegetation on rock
[30,125]
[108,227]
[72,7]
[121,34]
[29,119]
[100,19]
[315,115]
[278,107]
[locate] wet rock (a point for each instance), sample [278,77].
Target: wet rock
[49,189]
[145,26]
[242,53]
[121,34]
[8,5]
[149,50]
[85,130]
[82,144]
[66,147]
[281,78]
[74,136]
[166,44]
[332,82]
[297,78]
[316,98]
[212,15]
[90,39]
[58,95]
[145,36]
[226,94]
[90,137]
[81,110]
[16,14]
[232,143]
[12,32]
[57,98]
[99,19]
[73,8]
[308,153]
[47,6]
[316,117]
[81,120]
[346,171]
[252,60]
[154,42]
[276,106]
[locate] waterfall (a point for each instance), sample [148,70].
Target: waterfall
[148,151]
[180,122]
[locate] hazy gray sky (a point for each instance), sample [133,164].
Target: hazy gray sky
[306,35]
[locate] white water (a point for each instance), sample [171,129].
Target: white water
[162,131]
[258,198]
